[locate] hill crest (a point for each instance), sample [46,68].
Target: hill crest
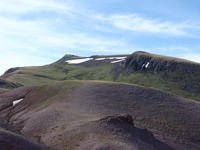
[143,61]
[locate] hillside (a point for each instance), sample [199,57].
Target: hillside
[87,115]
[178,76]
[4,84]
[173,75]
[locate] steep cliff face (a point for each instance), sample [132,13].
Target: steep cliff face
[142,61]
[184,73]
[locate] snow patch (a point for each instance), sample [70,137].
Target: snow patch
[116,61]
[143,65]
[17,101]
[110,57]
[100,58]
[147,65]
[78,61]
[119,59]
[116,57]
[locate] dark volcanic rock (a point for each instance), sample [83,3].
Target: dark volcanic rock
[11,70]
[183,72]
[155,63]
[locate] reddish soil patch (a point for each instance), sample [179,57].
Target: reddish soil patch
[67,115]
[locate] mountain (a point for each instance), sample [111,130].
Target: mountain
[170,74]
[140,101]
[100,115]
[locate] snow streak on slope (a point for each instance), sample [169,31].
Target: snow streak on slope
[78,61]
[17,101]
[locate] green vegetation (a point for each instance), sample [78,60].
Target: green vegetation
[55,72]
[162,58]
[167,128]
[157,81]
[8,85]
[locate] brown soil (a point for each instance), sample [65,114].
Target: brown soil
[67,115]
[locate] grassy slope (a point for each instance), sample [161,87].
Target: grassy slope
[8,85]
[162,57]
[56,72]
[53,73]
[156,81]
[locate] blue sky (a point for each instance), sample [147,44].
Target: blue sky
[38,32]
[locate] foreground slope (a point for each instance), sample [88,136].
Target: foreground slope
[85,115]
[12,141]
[170,74]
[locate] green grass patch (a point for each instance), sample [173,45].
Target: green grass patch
[53,73]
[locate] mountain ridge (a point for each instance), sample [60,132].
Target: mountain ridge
[140,59]
[78,102]
[178,76]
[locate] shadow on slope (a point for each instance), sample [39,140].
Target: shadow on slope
[12,141]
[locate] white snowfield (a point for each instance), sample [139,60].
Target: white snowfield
[147,65]
[17,101]
[116,57]
[100,58]
[116,61]
[79,61]
[119,59]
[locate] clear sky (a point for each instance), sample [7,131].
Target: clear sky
[38,32]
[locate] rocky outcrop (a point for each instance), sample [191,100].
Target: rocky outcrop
[186,74]
[142,61]
[11,70]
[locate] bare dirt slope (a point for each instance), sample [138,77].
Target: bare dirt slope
[68,115]
[11,141]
